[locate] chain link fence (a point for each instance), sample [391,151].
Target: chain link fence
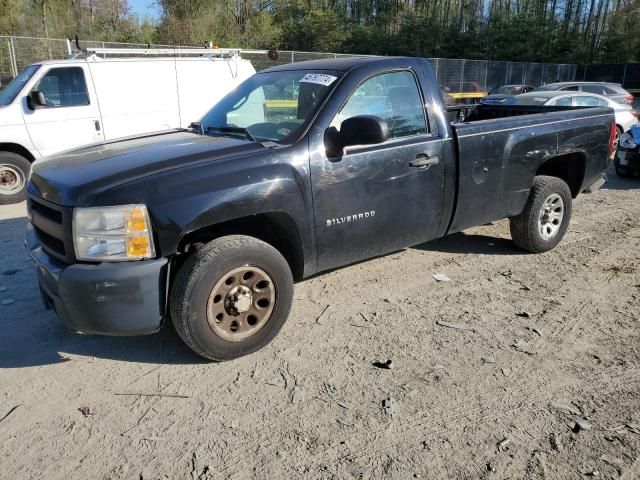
[463,77]
[626,74]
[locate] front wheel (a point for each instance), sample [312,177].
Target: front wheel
[14,173]
[231,297]
[545,218]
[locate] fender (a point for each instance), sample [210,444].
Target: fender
[186,200]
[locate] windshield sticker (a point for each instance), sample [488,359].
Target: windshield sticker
[318,78]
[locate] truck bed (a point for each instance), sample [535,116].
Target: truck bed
[498,158]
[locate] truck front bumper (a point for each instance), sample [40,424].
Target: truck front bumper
[125,298]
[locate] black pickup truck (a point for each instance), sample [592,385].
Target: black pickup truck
[303,168]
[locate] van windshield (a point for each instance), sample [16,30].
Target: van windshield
[271,106]
[8,93]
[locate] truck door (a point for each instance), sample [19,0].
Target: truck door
[70,117]
[379,198]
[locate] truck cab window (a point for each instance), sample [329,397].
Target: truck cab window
[271,106]
[64,87]
[394,97]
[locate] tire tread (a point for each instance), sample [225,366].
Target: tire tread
[524,227]
[186,280]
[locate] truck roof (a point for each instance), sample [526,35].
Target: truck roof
[338,64]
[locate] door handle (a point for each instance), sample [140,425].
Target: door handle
[424,161]
[96,123]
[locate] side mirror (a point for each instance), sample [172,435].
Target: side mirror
[358,130]
[36,99]
[197,126]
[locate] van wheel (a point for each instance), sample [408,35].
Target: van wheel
[231,297]
[545,217]
[14,174]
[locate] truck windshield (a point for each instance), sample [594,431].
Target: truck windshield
[271,106]
[8,93]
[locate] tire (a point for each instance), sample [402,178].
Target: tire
[204,304]
[540,227]
[622,172]
[14,174]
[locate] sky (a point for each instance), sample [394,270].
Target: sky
[144,8]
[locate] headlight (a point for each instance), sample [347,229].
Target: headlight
[626,141]
[112,233]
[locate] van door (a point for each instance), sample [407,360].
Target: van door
[70,118]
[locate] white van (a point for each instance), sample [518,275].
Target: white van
[58,105]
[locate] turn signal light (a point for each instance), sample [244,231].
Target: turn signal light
[138,247]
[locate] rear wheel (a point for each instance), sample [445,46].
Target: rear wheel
[14,173]
[545,217]
[231,297]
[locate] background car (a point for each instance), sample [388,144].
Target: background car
[501,93]
[627,159]
[613,91]
[626,116]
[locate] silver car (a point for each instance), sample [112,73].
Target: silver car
[613,91]
[626,116]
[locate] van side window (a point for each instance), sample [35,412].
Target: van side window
[64,87]
[394,97]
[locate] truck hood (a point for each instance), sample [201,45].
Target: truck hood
[76,177]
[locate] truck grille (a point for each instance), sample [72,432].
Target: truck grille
[52,224]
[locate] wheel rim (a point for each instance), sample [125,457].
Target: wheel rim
[241,303]
[551,216]
[616,139]
[11,180]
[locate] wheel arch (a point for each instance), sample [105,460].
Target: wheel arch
[17,149]
[278,229]
[570,167]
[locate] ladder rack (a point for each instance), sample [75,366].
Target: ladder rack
[210,52]
[181,52]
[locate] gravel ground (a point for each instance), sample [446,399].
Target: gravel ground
[538,342]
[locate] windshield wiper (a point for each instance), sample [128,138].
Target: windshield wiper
[241,130]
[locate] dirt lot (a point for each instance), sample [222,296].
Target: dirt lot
[547,339]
